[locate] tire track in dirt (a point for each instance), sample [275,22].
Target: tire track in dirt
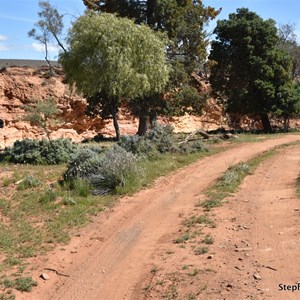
[266,205]
[114,253]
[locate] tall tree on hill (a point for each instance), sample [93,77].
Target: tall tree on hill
[183,21]
[250,71]
[49,26]
[111,59]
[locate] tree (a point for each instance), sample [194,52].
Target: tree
[44,115]
[183,21]
[289,107]
[250,71]
[288,43]
[112,58]
[49,26]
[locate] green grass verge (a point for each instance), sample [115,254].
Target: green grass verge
[229,182]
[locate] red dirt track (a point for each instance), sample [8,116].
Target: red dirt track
[112,257]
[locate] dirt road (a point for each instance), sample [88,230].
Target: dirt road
[114,257]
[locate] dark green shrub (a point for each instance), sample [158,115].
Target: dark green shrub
[37,152]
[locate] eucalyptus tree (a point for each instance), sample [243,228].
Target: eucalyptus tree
[49,26]
[184,23]
[111,59]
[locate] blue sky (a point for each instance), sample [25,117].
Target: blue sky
[17,17]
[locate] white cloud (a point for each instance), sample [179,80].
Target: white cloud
[3,37]
[41,48]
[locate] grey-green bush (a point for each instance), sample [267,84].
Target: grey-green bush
[104,172]
[161,139]
[39,152]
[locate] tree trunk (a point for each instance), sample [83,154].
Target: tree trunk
[116,124]
[266,122]
[286,123]
[152,119]
[47,60]
[143,125]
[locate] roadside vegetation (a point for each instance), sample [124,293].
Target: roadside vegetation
[149,57]
[43,203]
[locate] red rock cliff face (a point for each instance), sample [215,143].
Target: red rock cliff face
[21,85]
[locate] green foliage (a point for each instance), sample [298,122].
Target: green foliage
[137,145]
[85,162]
[48,196]
[37,152]
[28,182]
[288,43]
[187,100]
[163,138]
[24,284]
[200,250]
[183,22]
[44,115]
[104,173]
[289,107]
[208,239]
[250,71]
[183,238]
[112,58]
[203,219]
[49,26]
[160,139]
[7,297]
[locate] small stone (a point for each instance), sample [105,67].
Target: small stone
[280,233]
[257,276]
[240,258]
[229,286]
[45,276]
[210,256]
[296,209]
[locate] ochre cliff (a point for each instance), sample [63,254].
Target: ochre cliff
[19,86]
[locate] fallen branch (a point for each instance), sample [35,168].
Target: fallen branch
[201,132]
[268,267]
[57,272]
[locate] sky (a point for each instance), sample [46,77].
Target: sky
[17,18]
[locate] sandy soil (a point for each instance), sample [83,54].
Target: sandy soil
[129,253]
